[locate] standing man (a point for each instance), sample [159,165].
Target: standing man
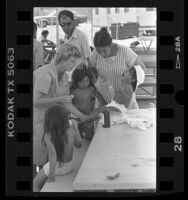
[73,35]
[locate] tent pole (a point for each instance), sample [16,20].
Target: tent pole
[91,26]
[57,29]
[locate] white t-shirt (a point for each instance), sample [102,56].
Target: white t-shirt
[80,40]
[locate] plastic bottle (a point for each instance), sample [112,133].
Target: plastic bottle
[106,114]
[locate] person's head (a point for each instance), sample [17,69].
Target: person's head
[45,33]
[129,77]
[34,30]
[56,123]
[81,78]
[66,21]
[94,74]
[103,42]
[67,57]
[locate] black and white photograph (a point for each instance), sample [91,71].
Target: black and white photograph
[94,99]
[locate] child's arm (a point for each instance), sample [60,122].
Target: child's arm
[41,99]
[98,95]
[77,137]
[52,157]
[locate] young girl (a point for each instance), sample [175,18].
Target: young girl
[59,139]
[85,94]
[131,78]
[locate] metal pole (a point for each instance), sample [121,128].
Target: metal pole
[117,31]
[107,17]
[91,26]
[41,20]
[57,29]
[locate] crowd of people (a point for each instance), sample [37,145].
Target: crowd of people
[66,109]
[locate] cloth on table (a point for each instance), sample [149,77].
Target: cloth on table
[136,118]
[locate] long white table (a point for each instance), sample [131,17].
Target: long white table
[131,152]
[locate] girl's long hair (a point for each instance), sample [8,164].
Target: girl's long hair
[78,75]
[56,124]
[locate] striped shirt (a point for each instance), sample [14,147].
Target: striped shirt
[110,70]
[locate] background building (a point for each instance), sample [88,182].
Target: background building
[107,16]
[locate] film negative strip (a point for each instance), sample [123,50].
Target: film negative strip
[169,169]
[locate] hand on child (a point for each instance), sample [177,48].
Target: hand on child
[84,118]
[65,99]
[74,123]
[82,66]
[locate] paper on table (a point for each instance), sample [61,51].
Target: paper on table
[120,107]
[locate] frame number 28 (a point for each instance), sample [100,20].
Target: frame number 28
[178,143]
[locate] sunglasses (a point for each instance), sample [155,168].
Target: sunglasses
[66,24]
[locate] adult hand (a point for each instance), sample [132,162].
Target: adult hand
[65,99]
[102,109]
[82,66]
[93,116]
[74,124]
[84,118]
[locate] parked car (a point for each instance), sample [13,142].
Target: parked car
[50,19]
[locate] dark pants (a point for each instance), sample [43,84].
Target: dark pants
[86,130]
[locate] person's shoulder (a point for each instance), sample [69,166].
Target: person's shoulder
[80,33]
[45,71]
[38,43]
[122,47]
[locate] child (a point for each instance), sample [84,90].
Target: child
[59,139]
[85,95]
[131,78]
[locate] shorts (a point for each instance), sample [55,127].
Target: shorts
[86,130]
[65,168]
